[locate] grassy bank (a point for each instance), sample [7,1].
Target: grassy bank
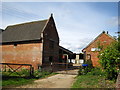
[93,79]
[16,81]
[11,82]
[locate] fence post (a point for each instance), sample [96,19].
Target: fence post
[66,67]
[31,71]
[5,68]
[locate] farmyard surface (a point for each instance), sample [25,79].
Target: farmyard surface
[55,81]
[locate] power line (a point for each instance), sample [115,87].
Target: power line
[19,13]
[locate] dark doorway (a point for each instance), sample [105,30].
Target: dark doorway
[51,58]
[80,56]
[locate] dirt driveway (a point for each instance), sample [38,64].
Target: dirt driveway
[55,81]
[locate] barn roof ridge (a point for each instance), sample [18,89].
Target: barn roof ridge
[27,22]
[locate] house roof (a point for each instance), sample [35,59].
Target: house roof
[24,31]
[98,37]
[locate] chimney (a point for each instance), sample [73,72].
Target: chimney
[51,14]
[107,32]
[103,32]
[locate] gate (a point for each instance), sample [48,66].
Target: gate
[65,68]
[16,70]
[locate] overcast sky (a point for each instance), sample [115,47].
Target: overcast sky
[78,23]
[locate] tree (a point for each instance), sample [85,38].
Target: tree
[110,60]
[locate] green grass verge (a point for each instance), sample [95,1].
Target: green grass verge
[47,75]
[11,82]
[16,81]
[92,80]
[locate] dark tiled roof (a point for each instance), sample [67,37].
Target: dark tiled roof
[23,32]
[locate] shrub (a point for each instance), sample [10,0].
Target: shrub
[110,61]
[38,74]
[89,62]
[85,69]
[24,72]
[96,71]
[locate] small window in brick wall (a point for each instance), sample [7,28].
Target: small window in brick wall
[95,49]
[51,44]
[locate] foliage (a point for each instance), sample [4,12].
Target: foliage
[82,71]
[22,72]
[16,81]
[38,74]
[89,62]
[96,71]
[110,60]
[100,46]
[93,79]
[85,69]
[20,81]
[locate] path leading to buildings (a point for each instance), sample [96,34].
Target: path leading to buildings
[55,81]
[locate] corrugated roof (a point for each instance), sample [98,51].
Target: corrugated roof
[66,50]
[24,31]
[1,30]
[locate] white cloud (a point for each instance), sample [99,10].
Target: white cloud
[79,32]
[77,25]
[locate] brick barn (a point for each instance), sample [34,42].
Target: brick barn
[35,43]
[91,51]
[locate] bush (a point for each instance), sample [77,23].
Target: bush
[96,71]
[82,71]
[24,72]
[38,74]
[110,61]
[85,69]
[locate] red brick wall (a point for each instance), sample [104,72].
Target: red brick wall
[104,40]
[23,54]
